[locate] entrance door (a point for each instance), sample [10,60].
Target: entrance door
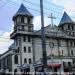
[55,71]
[26,71]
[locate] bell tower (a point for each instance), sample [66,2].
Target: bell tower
[23,22]
[66,24]
[22,34]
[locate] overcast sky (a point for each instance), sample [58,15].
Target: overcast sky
[9,7]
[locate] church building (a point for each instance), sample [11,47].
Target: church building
[25,54]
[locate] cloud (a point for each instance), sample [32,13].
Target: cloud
[5,42]
[69,5]
[7,34]
[37,22]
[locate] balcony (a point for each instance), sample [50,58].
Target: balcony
[20,31]
[58,33]
[61,57]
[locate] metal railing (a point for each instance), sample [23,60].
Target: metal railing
[23,30]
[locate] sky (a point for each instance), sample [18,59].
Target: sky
[8,8]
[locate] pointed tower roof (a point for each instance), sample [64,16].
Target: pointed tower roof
[23,11]
[65,19]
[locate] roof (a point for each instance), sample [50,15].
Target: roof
[12,45]
[65,19]
[52,31]
[23,11]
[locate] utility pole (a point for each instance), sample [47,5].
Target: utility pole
[43,37]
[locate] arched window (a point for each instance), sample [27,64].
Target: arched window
[24,38]
[16,59]
[29,49]
[25,60]
[29,38]
[71,52]
[72,27]
[30,61]
[22,19]
[71,43]
[25,49]
[69,27]
[18,19]
[62,51]
[29,20]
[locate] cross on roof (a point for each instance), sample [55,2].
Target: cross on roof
[52,17]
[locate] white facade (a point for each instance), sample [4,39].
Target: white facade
[27,47]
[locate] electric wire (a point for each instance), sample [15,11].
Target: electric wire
[4,4]
[35,10]
[38,5]
[43,7]
[47,8]
[27,7]
[55,12]
[58,6]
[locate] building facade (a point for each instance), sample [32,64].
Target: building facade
[26,51]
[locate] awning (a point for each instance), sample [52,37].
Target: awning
[49,65]
[54,65]
[24,66]
[37,65]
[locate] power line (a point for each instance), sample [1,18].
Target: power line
[31,3]
[39,6]
[29,8]
[46,8]
[1,8]
[4,4]
[4,29]
[26,7]
[35,10]
[49,4]
[53,4]
[58,6]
